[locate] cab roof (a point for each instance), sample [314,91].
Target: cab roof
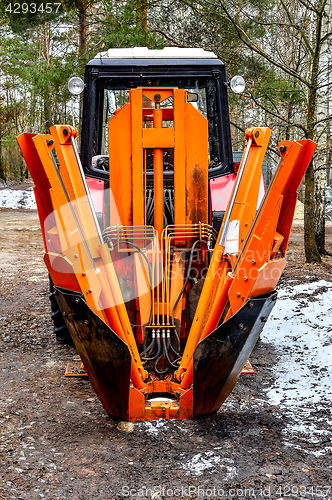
[144,57]
[165,53]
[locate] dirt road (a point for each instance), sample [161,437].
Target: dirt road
[57,442]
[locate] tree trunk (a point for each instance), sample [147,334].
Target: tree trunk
[311,251]
[2,164]
[47,114]
[320,186]
[322,178]
[82,27]
[82,46]
[289,120]
[142,14]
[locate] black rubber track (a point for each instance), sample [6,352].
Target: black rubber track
[60,328]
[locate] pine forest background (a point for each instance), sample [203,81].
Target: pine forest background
[281,47]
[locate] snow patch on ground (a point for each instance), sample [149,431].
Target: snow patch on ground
[300,328]
[210,462]
[153,427]
[16,198]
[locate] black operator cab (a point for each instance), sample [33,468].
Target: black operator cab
[107,81]
[110,75]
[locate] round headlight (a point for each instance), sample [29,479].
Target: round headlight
[237,84]
[75,85]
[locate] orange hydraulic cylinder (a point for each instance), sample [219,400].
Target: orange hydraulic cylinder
[216,273]
[138,373]
[217,307]
[158,171]
[109,309]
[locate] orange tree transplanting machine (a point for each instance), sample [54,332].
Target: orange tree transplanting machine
[163,257]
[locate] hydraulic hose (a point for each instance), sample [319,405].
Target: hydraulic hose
[187,277]
[166,354]
[158,349]
[160,372]
[148,264]
[151,345]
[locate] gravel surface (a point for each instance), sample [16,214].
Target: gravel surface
[57,442]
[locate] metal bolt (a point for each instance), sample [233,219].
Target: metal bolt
[157,97]
[238,294]
[65,132]
[245,278]
[240,326]
[64,313]
[282,148]
[76,255]
[246,224]
[263,319]
[253,262]
[49,142]
[83,274]
[77,301]
[250,305]
[256,134]
[86,322]
[90,290]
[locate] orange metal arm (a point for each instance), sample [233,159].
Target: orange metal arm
[241,208]
[92,282]
[123,316]
[291,188]
[254,272]
[256,255]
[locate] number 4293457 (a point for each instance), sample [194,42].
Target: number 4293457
[33,8]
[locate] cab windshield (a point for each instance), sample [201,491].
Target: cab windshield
[112,94]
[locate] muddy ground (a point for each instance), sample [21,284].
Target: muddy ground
[57,442]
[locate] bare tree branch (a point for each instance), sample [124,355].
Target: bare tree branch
[252,45]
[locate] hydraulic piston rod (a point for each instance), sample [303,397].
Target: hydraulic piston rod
[158,175]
